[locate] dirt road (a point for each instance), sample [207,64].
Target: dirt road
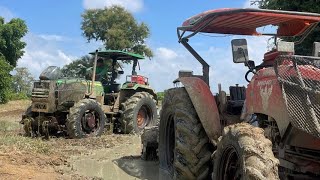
[105,157]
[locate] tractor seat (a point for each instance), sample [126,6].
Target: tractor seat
[236,101]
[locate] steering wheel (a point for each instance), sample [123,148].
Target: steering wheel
[247,73]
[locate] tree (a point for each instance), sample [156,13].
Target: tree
[22,81]
[77,68]
[117,29]
[11,46]
[5,80]
[11,49]
[305,48]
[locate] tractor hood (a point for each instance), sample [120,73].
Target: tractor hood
[246,22]
[118,55]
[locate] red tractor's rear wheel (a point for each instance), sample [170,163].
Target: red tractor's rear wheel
[244,153]
[184,148]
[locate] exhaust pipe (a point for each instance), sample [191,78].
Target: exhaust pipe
[93,74]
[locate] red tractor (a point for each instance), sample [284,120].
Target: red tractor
[268,130]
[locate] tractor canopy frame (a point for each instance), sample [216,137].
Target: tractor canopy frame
[245,22]
[117,55]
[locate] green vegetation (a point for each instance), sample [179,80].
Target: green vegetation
[22,81]
[26,144]
[117,29]
[11,49]
[11,33]
[6,126]
[12,96]
[5,80]
[305,48]
[78,68]
[160,96]
[81,68]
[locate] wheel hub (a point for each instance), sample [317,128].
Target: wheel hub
[91,120]
[141,117]
[230,165]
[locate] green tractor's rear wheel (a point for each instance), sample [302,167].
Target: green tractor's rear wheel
[139,111]
[184,147]
[86,118]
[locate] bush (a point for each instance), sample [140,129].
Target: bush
[5,80]
[17,96]
[160,96]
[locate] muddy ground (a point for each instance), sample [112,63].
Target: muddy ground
[106,157]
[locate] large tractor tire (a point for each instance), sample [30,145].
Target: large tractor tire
[184,148]
[243,152]
[86,118]
[138,112]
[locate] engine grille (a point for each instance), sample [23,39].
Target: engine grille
[299,77]
[41,89]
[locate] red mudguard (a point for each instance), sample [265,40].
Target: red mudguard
[205,105]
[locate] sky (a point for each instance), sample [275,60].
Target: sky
[55,38]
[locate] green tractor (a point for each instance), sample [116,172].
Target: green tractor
[82,108]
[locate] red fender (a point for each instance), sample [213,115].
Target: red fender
[205,105]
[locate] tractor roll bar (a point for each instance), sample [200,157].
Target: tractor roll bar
[205,65]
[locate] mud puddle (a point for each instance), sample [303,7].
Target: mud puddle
[119,162]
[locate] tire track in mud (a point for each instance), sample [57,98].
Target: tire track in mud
[119,162]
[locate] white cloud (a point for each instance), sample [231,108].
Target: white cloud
[6,13]
[249,4]
[52,37]
[163,68]
[166,53]
[166,63]
[41,53]
[131,5]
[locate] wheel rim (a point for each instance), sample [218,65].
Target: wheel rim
[170,139]
[144,116]
[90,121]
[229,165]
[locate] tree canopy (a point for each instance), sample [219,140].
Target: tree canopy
[11,45]
[78,67]
[305,48]
[5,80]
[117,29]
[11,49]
[22,80]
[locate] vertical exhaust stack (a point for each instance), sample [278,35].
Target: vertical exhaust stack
[93,74]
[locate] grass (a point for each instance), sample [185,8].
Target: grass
[25,144]
[15,105]
[10,139]
[6,126]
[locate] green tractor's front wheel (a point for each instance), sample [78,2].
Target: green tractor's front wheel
[139,111]
[86,118]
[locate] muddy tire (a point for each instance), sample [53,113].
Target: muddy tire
[138,112]
[26,121]
[184,148]
[243,152]
[85,118]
